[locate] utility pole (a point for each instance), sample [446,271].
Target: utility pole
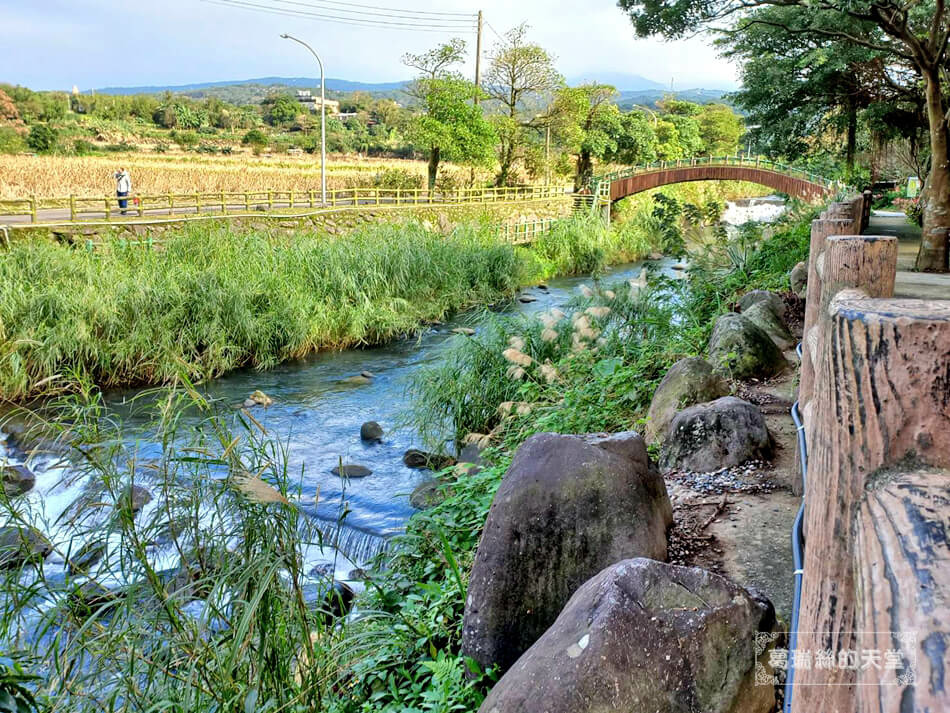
[478,57]
[323,120]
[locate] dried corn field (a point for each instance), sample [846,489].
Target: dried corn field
[91,176]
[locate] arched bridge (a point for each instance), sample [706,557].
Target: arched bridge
[612,187]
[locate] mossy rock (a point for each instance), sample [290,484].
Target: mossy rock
[689,381]
[16,480]
[741,349]
[762,315]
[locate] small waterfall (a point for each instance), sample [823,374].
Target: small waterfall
[358,545]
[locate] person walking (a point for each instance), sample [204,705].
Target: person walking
[123,186]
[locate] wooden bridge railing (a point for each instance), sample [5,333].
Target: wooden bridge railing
[876,393]
[229,203]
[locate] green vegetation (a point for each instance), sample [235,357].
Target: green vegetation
[261,639]
[208,300]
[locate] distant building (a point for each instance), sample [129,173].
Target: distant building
[313,102]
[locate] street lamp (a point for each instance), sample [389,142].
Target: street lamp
[323,120]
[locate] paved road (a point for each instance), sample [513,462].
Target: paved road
[923,285]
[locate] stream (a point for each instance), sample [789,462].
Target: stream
[318,416]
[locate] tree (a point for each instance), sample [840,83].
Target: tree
[42,138]
[517,71]
[587,123]
[449,127]
[687,131]
[281,109]
[256,139]
[719,130]
[913,31]
[436,62]
[798,87]
[636,142]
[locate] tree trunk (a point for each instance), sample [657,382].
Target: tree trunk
[852,140]
[585,169]
[932,256]
[434,158]
[505,160]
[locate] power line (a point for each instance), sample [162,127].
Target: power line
[494,30]
[361,14]
[315,3]
[368,21]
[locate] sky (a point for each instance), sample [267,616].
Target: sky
[56,44]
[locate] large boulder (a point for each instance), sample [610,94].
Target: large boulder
[720,434]
[743,350]
[763,316]
[643,636]
[567,507]
[133,498]
[689,381]
[371,431]
[16,480]
[22,545]
[773,301]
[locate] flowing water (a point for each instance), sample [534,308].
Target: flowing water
[318,415]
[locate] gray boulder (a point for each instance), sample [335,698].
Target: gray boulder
[772,300]
[351,470]
[720,434]
[689,381]
[743,350]
[427,494]
[646,637]
[22,545]
[567,507]
[134,498]
[414,458]
[16,479]
[798,279]
[371,431]
[762,316]
[86,557]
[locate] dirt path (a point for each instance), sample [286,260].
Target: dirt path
[738,522]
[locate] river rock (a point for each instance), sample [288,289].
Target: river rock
[689,381]
[371,431]
[258,398]
[527,299]
[134,497]
[427,494]
[414,458]
[351,470]
[91,597]
[763,316]
[567,507]
[367,375]
[720,434]
[646,637]
[358,380]
[22,545]
[466,331]
[772,300]
[798,279]
[17,480]
[743,350]
[86,557]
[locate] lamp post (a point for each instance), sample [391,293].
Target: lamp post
[323,120]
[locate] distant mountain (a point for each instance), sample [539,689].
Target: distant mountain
[649,98]
[338,85]
[621,81]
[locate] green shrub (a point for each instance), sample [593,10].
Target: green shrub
[10,141]
[42,138]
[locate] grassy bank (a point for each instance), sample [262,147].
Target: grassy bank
[208,300]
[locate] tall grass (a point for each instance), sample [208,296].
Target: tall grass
[228,621]
[209,300]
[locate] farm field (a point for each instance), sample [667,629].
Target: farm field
[22,176]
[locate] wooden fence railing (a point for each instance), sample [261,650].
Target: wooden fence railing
[875,387]
[75,208]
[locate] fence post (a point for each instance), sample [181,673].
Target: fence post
[108,208]
[224,205]
[33,209]
[141,202]
[377,196]
[171,204]
[247,202]
[291,198]
[310,198]
[72,208]
[270,200]
[197,203]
